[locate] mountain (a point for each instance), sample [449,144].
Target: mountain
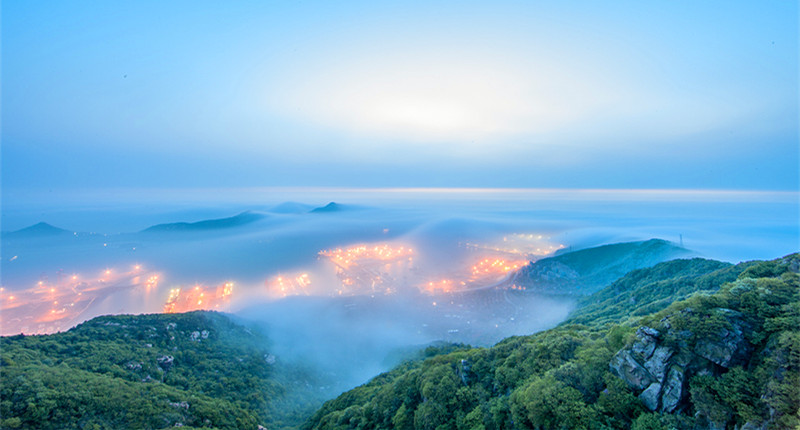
[291,208]
[239,220]
[728,356]
[330,207]
[199,369]
[684,344]
[41,229]
[333,207]
[585,271]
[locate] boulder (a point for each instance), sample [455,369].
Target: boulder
[626,367]
[165,361]
[650,396]
[645,344]
[673,390]
[658,362]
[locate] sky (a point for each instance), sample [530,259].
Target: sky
[528,94]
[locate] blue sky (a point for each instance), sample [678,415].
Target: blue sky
[401,94]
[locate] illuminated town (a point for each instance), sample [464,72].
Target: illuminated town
[528,246]
[51,306]
[284,286]
[371,269]
[199,297]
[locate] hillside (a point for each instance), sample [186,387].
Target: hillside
[684,344]
[585,271]
[239,220]
[726,356]
[644,291]
[152,371]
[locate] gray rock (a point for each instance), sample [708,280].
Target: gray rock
[658,373]
[683,358]
[658,361]
[165,361]
[650,396]
[557,270]
[463,372]
[645,342]
[626,367]
[179,405]
[673,390]
[752,425]
[649,331]
[730,349]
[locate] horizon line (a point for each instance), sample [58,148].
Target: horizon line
[280,194]
[315,188]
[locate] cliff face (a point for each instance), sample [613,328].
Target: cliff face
[721,358]
[659,363]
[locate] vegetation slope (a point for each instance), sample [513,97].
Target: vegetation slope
[563,378]
[684,344]
[198,369]
[588,270]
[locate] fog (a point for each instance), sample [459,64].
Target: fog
[354,287]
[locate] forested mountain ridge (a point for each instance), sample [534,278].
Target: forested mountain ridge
[728,356]
[585,271]
[644,291]
[683,344]
[197,369]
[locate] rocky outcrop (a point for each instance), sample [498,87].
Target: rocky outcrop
[165,361]
[628,368]
[553,271]
[730,349]
[464,371]
[658,369]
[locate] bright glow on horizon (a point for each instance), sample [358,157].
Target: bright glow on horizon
[412,94]
[441,98]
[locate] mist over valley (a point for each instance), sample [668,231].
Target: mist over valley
[350,289]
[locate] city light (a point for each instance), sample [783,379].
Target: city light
[199,297]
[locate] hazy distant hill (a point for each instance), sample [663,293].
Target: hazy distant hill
[239,220]
[41,229]
[291,208]
[333,207]
[587,270]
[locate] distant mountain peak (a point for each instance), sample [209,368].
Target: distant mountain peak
[330,207]
[37,230]
[43,226]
